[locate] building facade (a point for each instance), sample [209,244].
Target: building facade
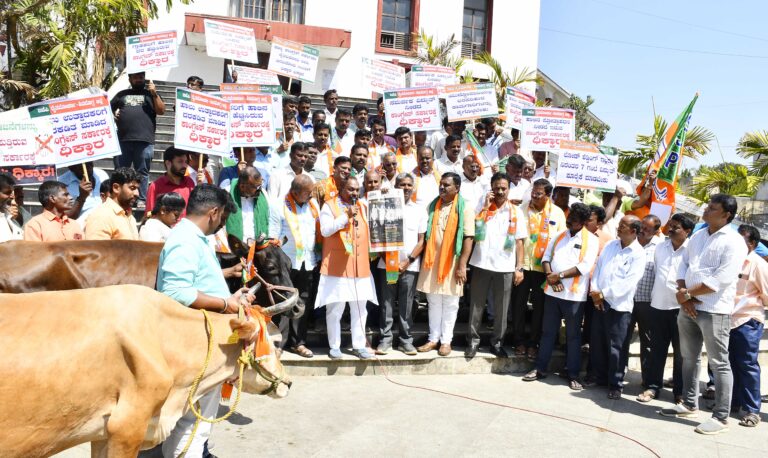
[345,32]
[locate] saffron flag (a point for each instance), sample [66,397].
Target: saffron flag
[666,163]
[473,145]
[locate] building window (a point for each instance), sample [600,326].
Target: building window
[474,31]
[272,10]
[396,24]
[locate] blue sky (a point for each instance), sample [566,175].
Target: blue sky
[623,78]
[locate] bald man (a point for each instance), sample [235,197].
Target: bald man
[295,225]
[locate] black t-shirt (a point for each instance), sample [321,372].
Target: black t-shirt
[137,121]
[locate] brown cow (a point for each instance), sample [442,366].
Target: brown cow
[81,366]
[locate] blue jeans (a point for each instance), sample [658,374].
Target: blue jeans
[139,156]
[742,353]
[572,312]
[606,348]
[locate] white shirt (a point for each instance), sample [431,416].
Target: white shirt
[154,230]
[434,141]
[322,162]
[9,229]
[347,142]
[617,272]
[611,226]
[426,188]
[539,173]
[265,163]
[520,191]
[496,253]
[474,192]
[280,183]
[444,165]
[566,255]
[715,261]
[414,223]
[667,260]
[248,227]
[330,118]
[307,229]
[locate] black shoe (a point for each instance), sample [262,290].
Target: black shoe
[499,351]
[471,351]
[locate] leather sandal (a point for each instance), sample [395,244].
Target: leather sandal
[303,351]
[646,396]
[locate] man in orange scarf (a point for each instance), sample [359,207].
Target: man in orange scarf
[567,262]
[544,221]
[449,234]
[406,152]
[330,187]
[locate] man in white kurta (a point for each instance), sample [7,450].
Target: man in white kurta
[345,273]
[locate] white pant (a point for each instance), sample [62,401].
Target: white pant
[209,407]
[443,309]
[358,314]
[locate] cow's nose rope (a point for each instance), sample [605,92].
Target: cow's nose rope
[242,361]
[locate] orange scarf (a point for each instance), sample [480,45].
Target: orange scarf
[346,232]
[485,215]
[417,174]
[449,240]
[292,217]
[542,234]
[330,190]
[582,252]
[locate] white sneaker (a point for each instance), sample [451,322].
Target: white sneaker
[679,411]
[712,426]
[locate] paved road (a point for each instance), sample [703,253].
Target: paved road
[370,416]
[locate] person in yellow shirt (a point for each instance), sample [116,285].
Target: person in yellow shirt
[545,221]
[114,218]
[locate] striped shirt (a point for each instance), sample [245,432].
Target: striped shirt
[645,286]
[715,261]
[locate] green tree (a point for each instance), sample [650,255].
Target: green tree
[697,144]
[53,39]
[754,145]
[588,129]
[433,53]
[502,79]
[728,178]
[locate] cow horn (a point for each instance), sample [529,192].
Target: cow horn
[284,306]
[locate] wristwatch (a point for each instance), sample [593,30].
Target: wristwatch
[519,269]
[411,259]
[561,275]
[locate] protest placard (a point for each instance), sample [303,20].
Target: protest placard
[249,75]
[23,140]
[517,101]
[417,109]
[544,128]
[230,41]
[250,119]
[587,166]
[293,60]
[274,90]
[151,50]
[431,76]
[30,175]
[382,76]
[202,123]
[385,220]
[78,129]
[471,101]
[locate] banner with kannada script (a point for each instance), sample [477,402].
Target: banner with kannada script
[250,119]
[23,140]
[431,76]
[248,75]
[274,90]
[466,102]
[202,123]
[587,166]
[417,109]
[151,50]
[230,41]
[382,76]
[517,100]
[82,128]
[293,60]
[544,128]
[30,175]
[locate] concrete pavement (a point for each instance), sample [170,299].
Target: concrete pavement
[370,416]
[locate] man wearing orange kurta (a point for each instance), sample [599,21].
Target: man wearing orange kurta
[345,272]
[53,225]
